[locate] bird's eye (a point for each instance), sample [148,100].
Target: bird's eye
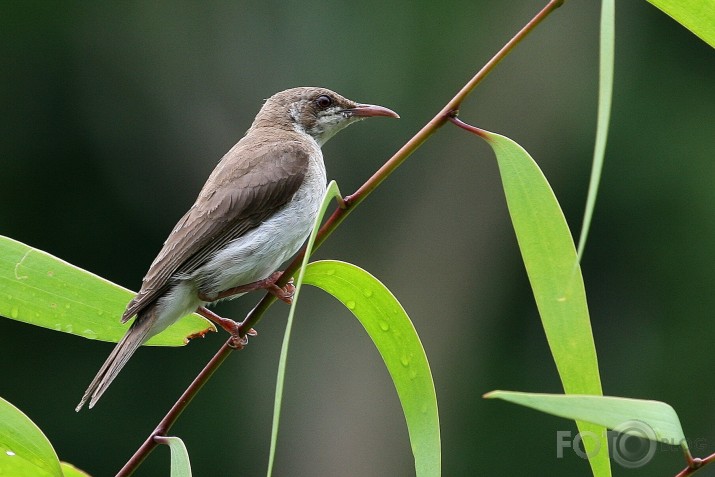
[323,101]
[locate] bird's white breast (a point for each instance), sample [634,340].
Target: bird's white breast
[259,252]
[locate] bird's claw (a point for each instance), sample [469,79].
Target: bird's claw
[239,342]
[284,293]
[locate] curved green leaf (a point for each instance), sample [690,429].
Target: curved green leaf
[180,464]
[69,470]
[391,330]
[24,449]
[43,290]
[551,262]
[698,16]
[605,98]
[331,192]
[660,418]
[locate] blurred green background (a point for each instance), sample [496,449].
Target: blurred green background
[114,113]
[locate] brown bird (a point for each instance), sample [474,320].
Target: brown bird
[254,212]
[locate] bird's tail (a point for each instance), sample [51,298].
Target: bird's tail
[137,334]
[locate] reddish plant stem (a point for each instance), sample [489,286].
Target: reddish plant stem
[695,464]
[467,127]
[448,112]
[163,427]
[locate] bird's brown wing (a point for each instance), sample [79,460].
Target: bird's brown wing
[249,185]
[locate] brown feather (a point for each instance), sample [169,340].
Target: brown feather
[251,182]
[132,340]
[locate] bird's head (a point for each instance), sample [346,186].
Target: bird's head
[318,112]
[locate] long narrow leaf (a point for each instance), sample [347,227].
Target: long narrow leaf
[605,97]
[391,330]
[43,290]
[24,449]
[698,16]
[659,421]
[180,464]
[551,262]
[331,193]
[68,470]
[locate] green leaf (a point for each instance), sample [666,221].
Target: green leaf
[605,98]
[69,470]
[180,465]
[24,449]
[391,330]
[698,16]
[40,289]
[551,262]
[332,191]
[659,422]
[396,340]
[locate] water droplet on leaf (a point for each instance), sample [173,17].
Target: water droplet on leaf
[384,325]
[350,304]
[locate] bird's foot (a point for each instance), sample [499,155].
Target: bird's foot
[234,329]
[239,342]
[284,293]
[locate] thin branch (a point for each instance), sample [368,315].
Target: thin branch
[341,212]
[695,464]
[163,427]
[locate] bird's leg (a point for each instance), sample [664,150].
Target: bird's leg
[229,325]
[284,293]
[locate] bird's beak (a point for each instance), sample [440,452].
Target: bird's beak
[370,110]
